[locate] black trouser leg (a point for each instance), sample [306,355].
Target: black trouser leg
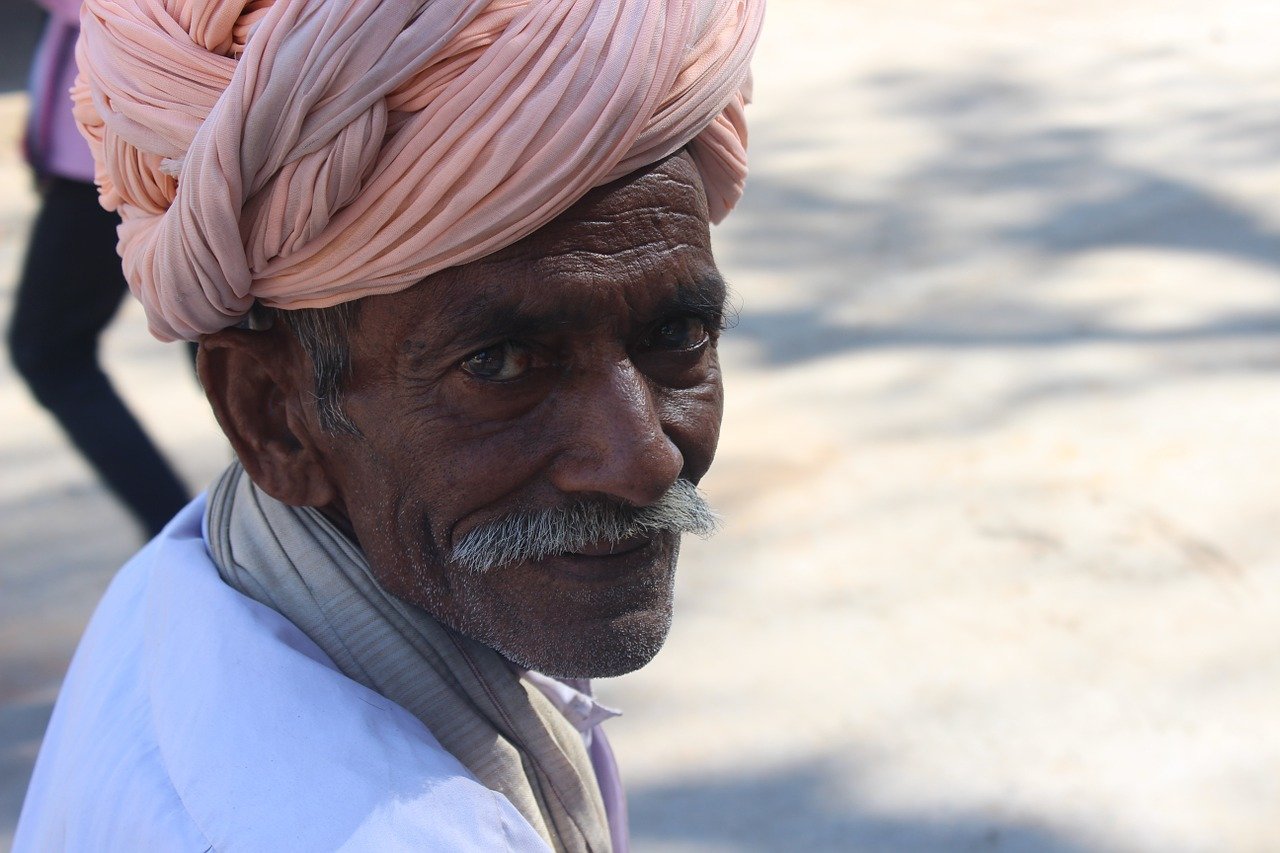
[70,288]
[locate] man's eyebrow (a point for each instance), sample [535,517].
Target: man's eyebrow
[484,319]
[705,296]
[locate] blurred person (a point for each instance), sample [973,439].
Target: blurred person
[71,286]
[449,265]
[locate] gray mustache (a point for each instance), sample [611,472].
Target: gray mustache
[541,533]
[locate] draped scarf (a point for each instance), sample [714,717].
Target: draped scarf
[510,736]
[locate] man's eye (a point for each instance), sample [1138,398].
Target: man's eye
[507,360]
[678,333]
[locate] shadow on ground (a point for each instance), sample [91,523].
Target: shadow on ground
[22,725]
[1004,180]
[750,812]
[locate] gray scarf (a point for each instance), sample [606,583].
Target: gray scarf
[295,561]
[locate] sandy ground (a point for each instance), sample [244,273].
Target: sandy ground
[1002,569]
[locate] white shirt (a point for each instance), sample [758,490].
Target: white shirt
[194,718]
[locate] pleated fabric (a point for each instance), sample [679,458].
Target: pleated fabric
[304,153]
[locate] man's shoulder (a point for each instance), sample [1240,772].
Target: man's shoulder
[193,714]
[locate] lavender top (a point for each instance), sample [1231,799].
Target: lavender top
[53,143]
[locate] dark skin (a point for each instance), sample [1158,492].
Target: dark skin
[580,361]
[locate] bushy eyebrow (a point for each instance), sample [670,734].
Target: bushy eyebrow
[490,318]
[704,297]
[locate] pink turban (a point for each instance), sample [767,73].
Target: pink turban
[309,152]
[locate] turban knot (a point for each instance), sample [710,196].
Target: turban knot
[303,153]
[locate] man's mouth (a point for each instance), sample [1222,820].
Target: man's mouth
[612,548]
[610,561]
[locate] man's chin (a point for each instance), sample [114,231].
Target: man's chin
[610,649]
[566,616]
[571,617]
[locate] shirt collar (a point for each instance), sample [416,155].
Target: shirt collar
[572,697]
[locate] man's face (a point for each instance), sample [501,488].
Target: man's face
[578,364]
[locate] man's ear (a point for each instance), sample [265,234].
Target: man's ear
[256,382]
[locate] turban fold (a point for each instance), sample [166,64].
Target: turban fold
[304,153]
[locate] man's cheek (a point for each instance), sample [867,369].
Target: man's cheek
[692,422]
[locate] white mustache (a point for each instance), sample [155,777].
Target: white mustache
[541,533]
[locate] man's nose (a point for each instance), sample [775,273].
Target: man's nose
[614,438]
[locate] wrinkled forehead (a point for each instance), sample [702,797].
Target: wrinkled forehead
[628,246]
[636,219]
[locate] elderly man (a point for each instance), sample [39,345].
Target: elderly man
[449,267]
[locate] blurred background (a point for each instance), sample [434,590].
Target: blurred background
[1002,562]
